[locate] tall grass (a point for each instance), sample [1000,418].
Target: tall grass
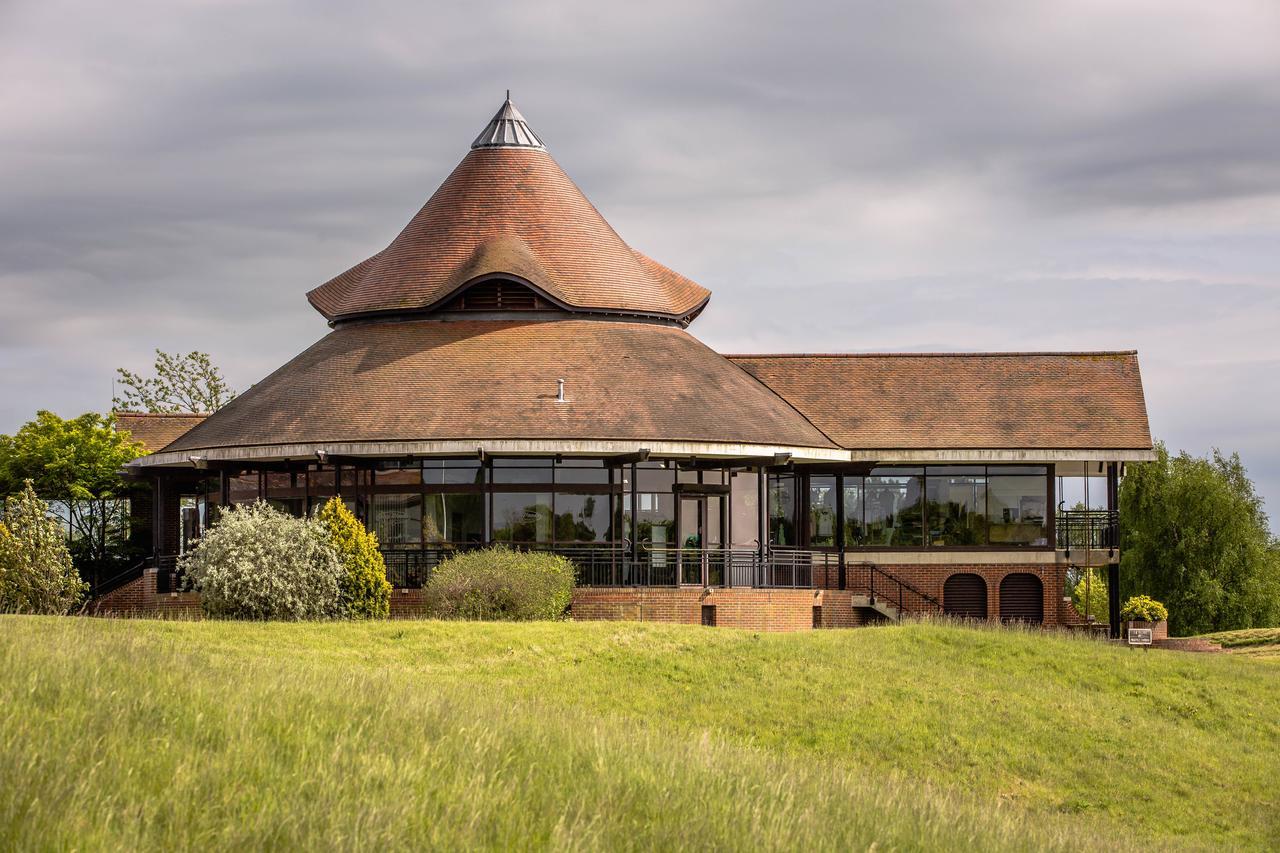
[136,734]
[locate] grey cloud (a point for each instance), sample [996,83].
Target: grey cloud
[843,175]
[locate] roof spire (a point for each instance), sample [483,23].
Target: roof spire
[508,129]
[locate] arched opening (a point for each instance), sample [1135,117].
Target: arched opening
[964,596]
[1021,598]
[499,294]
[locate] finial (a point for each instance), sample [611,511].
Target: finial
[508,94]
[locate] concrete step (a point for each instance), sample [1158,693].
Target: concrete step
[880,606]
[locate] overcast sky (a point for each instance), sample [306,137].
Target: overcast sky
[843,176]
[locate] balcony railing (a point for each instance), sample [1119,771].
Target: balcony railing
[1088,530]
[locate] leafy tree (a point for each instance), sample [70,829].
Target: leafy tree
[366,593]
[1089,595]
[260,563]
[1194,535]
[183,383]
[76,463]
[36,575]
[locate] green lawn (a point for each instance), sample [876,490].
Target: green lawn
[166,735]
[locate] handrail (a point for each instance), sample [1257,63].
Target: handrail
[113,583]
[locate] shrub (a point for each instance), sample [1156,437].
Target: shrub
[1143,608]
[260,563]
[36,574]
[498,583]
[366,593]
[1089,595]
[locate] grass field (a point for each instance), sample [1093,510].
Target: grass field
[1257,643]
[168,735]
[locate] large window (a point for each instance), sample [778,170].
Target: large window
[855,532]
[894,510]
[397,519]
[582,517]
[1017,499]
[522,517]
[453,518]
[822,511]
[957,506]
[744,509]
[937,506]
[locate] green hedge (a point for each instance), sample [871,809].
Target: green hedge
[500,584]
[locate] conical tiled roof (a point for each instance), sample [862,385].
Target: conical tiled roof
[508,208]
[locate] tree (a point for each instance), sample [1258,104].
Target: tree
[183,383]
[36,575]
[76,463]
[1194,536]
[366,593]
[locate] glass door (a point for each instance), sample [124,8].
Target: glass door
[701,538]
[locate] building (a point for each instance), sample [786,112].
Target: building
[509,370]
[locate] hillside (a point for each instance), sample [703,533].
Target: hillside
[613,735]
[1257,643]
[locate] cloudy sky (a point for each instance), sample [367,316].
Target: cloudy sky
[843,176]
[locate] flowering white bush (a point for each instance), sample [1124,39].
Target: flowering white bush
[260,563]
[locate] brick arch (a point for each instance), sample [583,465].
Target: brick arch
[964,595]
[1022,598]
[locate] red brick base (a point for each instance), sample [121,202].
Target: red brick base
[139,598]
[751,609]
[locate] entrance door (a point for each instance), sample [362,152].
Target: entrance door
[701,530]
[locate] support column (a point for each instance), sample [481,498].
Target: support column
[762,509]
[1113,550]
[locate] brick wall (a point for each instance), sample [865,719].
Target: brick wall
[930,579]
[751,609]
[139,598]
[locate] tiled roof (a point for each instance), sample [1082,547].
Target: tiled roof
[430,380]
[154,429]
[961,400]
[510,210]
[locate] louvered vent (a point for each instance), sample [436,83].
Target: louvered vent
[498,295]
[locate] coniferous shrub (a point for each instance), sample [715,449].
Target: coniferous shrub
[366,593]
[36,574]
[260,563]
[1143,608]
[501,584]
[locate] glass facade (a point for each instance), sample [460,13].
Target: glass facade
[570,501]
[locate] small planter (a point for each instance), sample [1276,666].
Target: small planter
[1159,630]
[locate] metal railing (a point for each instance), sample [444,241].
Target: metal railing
[880,584]
[1087,529]
[102,587]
